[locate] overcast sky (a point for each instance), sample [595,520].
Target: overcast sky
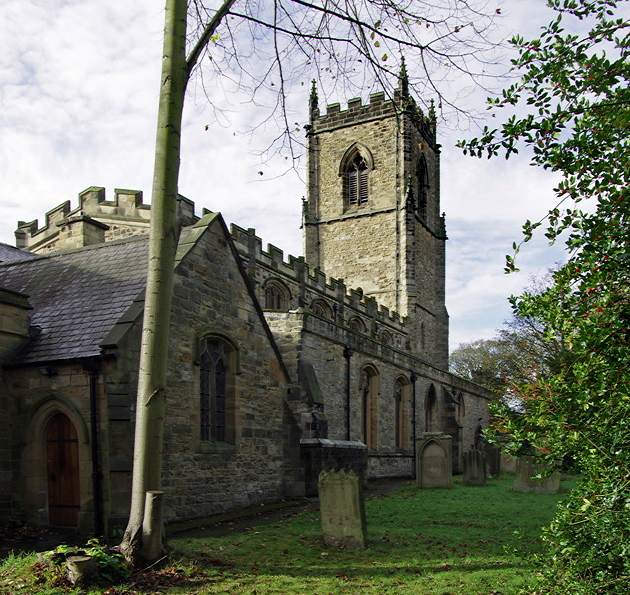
[78,90]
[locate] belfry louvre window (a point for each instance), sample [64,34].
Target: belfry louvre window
[214,391]
[357,181]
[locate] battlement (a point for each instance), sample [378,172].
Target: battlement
[125,215]
[378,108]
[307,286]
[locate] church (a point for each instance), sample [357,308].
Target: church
[279,367]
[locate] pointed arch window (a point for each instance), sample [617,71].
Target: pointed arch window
[357,181]
[368,388]
[355,169]
[423,186]
[276,295]
[216,390]
[401,413]
[321,309]
[356,324]
[431,410]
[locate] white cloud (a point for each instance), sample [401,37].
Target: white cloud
[78,88]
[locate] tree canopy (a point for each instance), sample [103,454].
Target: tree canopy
[574,94]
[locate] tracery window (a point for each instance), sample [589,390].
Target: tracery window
[386,338]
[354,169]
[321,308]
[216,390]
[276,296]
[357,181]
[356,324]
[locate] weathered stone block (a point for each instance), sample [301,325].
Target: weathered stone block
[321,454]
[342,508]
[525,481]
[434,463]
[474,468]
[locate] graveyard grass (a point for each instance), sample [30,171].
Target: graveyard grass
[462,540]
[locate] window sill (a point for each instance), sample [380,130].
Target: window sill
[218,448]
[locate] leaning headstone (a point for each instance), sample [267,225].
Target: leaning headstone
[434,460]
[342,508]
[525,481]
[475,468]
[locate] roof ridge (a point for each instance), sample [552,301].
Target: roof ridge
[102,245]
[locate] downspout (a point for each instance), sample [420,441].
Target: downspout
[347,353]
[413,422]
[92,370]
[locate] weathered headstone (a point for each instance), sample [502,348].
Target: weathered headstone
[493,458]
[475,468]
[508,463]
[81,569]
[524,481]
[342,508]
[434,462]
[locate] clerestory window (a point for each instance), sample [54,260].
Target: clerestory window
[276,296]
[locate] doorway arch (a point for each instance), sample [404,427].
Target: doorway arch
[56,465]
[62,471]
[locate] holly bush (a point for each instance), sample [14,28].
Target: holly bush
[574,92]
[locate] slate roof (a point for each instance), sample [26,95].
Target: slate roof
[77,295]
[11,253]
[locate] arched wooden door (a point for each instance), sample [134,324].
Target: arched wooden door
[62,464]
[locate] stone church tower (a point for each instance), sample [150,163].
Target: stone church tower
[372,215]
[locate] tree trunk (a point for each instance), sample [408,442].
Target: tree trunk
[164,234]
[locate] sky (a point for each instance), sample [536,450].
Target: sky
[79,88]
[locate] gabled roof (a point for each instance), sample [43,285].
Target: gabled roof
[77,295]
[11,253]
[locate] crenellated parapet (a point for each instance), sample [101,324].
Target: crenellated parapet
[96,219]
[378,108]
[289,285]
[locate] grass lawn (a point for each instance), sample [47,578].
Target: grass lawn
[459,541]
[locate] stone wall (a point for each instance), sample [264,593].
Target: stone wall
[343,239]
[14,324]
[392,247]
[38,393]
[461,406]
[205,478]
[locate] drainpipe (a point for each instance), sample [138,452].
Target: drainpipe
[92,370]
[347,353]
[413,422]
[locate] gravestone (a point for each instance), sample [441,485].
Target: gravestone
[493,459]
[342,508]
[524,481]
[434,460]
[475,468]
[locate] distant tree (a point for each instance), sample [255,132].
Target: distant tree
[520,349]
[264,48]
[488,362]
[577,93]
